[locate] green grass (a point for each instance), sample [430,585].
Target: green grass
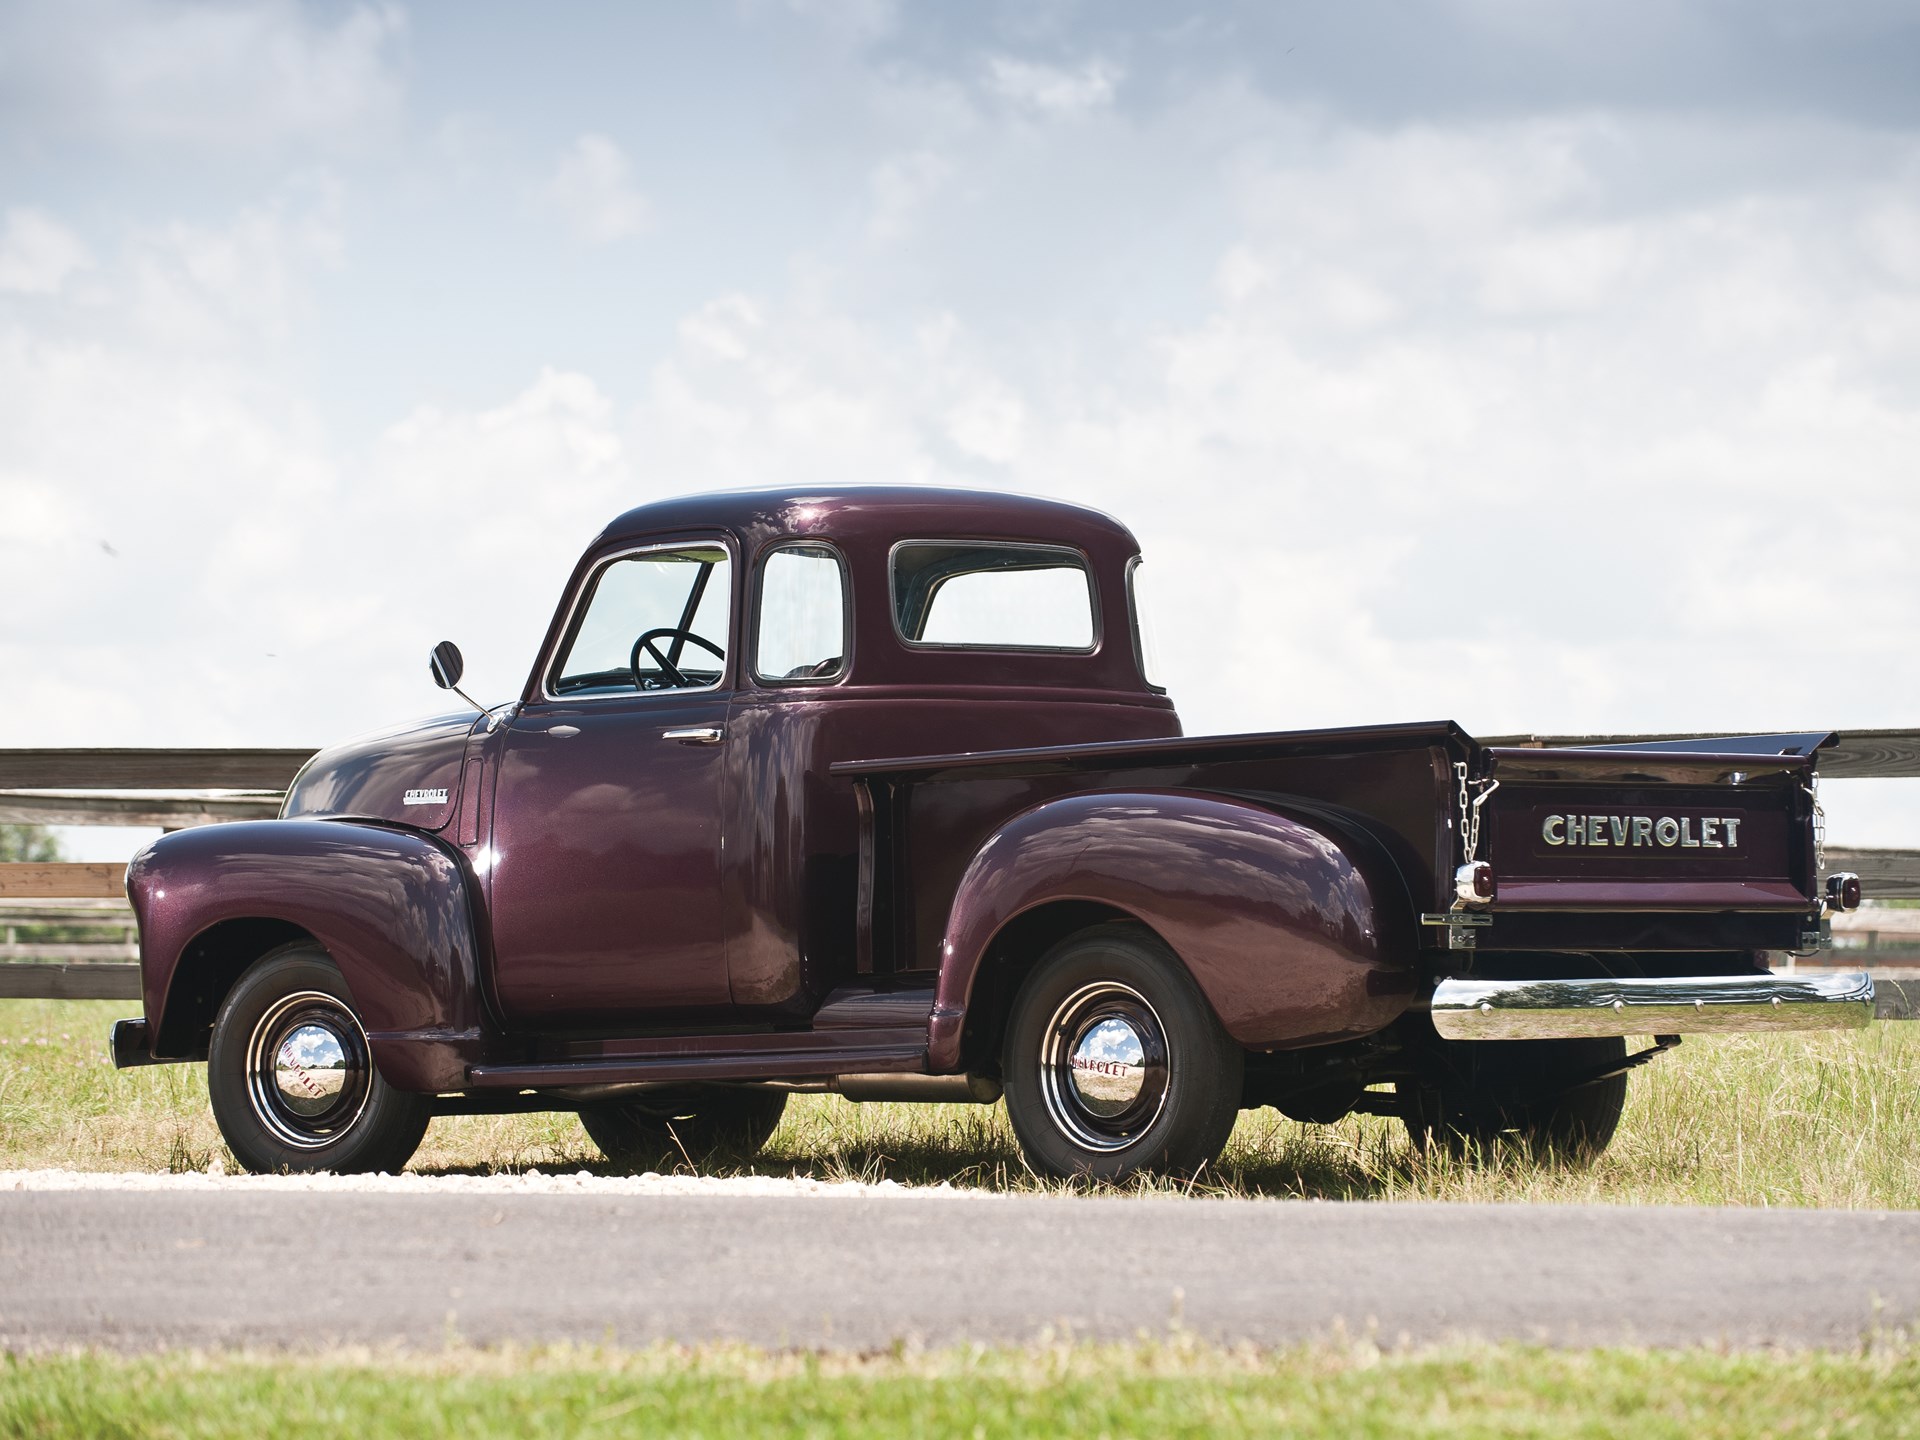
[1822,1119]
[1167,1388]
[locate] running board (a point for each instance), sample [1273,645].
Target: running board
[1468,1009]
[874,1057]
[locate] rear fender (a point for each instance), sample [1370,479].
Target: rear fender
[1276,920]
[390,906]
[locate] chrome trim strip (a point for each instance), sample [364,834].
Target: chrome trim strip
[1467,1009]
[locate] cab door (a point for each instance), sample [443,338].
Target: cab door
[606,852]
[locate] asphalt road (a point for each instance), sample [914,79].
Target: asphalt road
[142,1270]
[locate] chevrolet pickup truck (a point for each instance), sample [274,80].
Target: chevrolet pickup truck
[876,792]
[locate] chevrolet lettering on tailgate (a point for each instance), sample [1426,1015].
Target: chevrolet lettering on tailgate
[1689,832]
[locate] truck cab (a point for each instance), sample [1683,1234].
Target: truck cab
[665,843]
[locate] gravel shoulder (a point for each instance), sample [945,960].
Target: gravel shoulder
[526,1182]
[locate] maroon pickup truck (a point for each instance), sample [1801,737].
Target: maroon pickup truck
[874,792]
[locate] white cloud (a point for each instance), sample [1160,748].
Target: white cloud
[592,190]
[38,253]
[264,585]
[194,285]
[1054,89]
[900,186]
[860,20]
[219,76]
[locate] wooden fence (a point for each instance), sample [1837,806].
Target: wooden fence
[66,931]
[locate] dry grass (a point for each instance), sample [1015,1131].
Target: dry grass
[1828,1119]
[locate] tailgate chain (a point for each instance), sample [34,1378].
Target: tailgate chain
[1819,825]
[1470,804]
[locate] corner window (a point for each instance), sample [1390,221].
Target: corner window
[653,620]
[802,632]
[991,595]
[1145,650]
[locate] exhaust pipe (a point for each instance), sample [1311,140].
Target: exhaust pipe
[940,1089]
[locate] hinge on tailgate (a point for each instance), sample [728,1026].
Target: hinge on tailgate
[1819,938]
[1460,926]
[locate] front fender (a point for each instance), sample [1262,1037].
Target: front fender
[391,907]
[1277,921]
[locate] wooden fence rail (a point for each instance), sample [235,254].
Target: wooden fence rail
[1860,755]
[101,980]
[1884,874]
[152,769]
[171,788]
[63,880]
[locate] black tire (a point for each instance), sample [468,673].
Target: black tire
[292,1082]
[1529,1090]
[684,1125]
[1115,995]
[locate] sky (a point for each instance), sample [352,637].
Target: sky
[1548,367]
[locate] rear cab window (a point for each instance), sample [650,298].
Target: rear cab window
[993,595]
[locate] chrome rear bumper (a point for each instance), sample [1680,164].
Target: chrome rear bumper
[1568,1009]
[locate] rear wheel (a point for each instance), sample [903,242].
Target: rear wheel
[292,1080]
[1114,1063]
[1537,1092]
[689,1123]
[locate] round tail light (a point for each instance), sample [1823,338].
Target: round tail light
[1474,883]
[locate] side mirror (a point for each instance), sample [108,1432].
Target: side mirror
[447,666]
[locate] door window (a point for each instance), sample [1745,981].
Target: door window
[656,620]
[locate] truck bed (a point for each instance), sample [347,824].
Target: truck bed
[1392,793]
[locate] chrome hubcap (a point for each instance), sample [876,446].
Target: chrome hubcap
[308,1072]
[1109,1067]
[1103,1066]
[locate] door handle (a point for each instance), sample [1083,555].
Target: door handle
[694,735]
[563,732]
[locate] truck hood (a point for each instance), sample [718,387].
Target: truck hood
[409,774]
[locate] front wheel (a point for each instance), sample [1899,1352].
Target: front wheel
[292,1080]
[1114,1063]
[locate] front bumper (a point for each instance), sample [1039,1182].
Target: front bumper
[1468,1009]
[128,1044]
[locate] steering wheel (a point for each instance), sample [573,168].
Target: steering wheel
[647,642]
